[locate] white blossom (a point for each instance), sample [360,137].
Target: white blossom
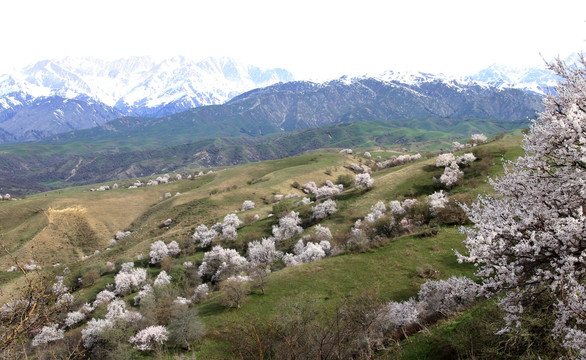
[148,338]
[451,175]
[324,209]
[465,159]
[103,297]
[129,279]
[401,314]
[363,181]
[247,205]
[201,292]
[121,234]
[329,189]
[232,220]
[220,262]
[395,208]
[478,138]
[49,333]
[322,233]
[204,236]
[376,212]
[173,248]
[288,227]
[181,301]
[305,201]
[158,251]
[456,146]
[90,334]
[228,233]
[447,296]
[305,253]
[437,200]
[263,252]
[73,318]
[162,279]
[531,237]
[444,160]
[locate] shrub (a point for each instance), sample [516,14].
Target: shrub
[284,207]
[345,180]
[386,226]
[89,278]
[234,291]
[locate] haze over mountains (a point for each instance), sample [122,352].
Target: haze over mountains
[57,96]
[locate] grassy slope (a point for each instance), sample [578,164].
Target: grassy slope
[80,160]
[389,269]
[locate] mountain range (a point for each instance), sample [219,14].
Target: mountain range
[57,96]
[33,100]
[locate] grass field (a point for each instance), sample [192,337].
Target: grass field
[64,225]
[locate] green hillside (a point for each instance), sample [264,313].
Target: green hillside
[67,226]
[31,167]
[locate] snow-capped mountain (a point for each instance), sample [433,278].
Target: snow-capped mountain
[536,79]
[130,86]
[540,81]
[135,83]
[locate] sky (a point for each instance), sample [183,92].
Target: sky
[315,40]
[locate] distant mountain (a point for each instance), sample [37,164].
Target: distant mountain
[539,80]
[301,105]
[136,86]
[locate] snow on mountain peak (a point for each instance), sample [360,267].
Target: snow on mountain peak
[129,83]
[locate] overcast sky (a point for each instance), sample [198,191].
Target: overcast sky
[312,39]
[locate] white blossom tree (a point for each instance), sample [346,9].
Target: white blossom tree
[103,297]
[444,160]
[531,238]
[437,200]
[73,318]
[395,208]
[363,181]
[324,209]
[158,251]
[150,338]
[162,279]
[130,280]
[451,175]
[173,248]
[204,236]
[322,233]
[90,334]
[263,252]
[465,159]
[49,333]
[247,205]
[201,292]
[232,220]
[228,233]
[219,262]
[304,253]
[447,296]
[376,212]
[288,227]
[478,138]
